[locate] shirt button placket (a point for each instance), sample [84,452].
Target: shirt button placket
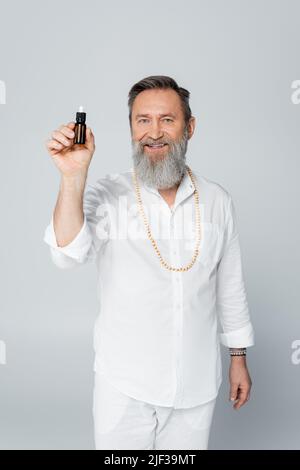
[177,298]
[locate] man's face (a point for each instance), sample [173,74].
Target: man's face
[159,137]
[157,118]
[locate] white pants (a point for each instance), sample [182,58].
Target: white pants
[122,422]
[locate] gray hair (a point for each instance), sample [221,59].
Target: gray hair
[162,82]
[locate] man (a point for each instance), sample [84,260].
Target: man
[166,245]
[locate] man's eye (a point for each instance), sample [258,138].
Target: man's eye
[165,119]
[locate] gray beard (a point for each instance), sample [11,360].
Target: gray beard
[165,172]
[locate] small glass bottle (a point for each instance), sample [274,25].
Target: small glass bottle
[80,127]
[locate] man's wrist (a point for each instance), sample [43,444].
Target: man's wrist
[238,359]
[237,352]
[74,184]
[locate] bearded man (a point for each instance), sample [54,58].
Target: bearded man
[166,244]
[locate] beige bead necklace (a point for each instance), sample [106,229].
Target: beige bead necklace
[198,238]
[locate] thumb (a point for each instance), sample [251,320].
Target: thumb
[233,391]
[89,139]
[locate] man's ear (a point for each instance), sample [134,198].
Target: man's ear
[191,126]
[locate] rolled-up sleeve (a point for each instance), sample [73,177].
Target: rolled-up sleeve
[85,246]
[232,304]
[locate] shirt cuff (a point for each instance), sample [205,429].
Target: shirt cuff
[241,338]
[77,248]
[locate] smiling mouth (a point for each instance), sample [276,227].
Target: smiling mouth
[153,147]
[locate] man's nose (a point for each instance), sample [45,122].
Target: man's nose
[155,132]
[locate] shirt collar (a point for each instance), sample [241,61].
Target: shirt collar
[184,190]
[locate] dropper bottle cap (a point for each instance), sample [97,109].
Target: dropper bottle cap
[80,115]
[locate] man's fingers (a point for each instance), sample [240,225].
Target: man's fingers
[53,145]
[65,130]
[242,398]
[233,391]
[62,138]
[70,125]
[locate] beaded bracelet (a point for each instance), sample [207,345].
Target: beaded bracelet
[238,351]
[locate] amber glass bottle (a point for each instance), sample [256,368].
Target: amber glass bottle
[80,127]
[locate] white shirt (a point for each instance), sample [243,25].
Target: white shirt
[156,336]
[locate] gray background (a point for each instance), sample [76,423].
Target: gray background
[238,59]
